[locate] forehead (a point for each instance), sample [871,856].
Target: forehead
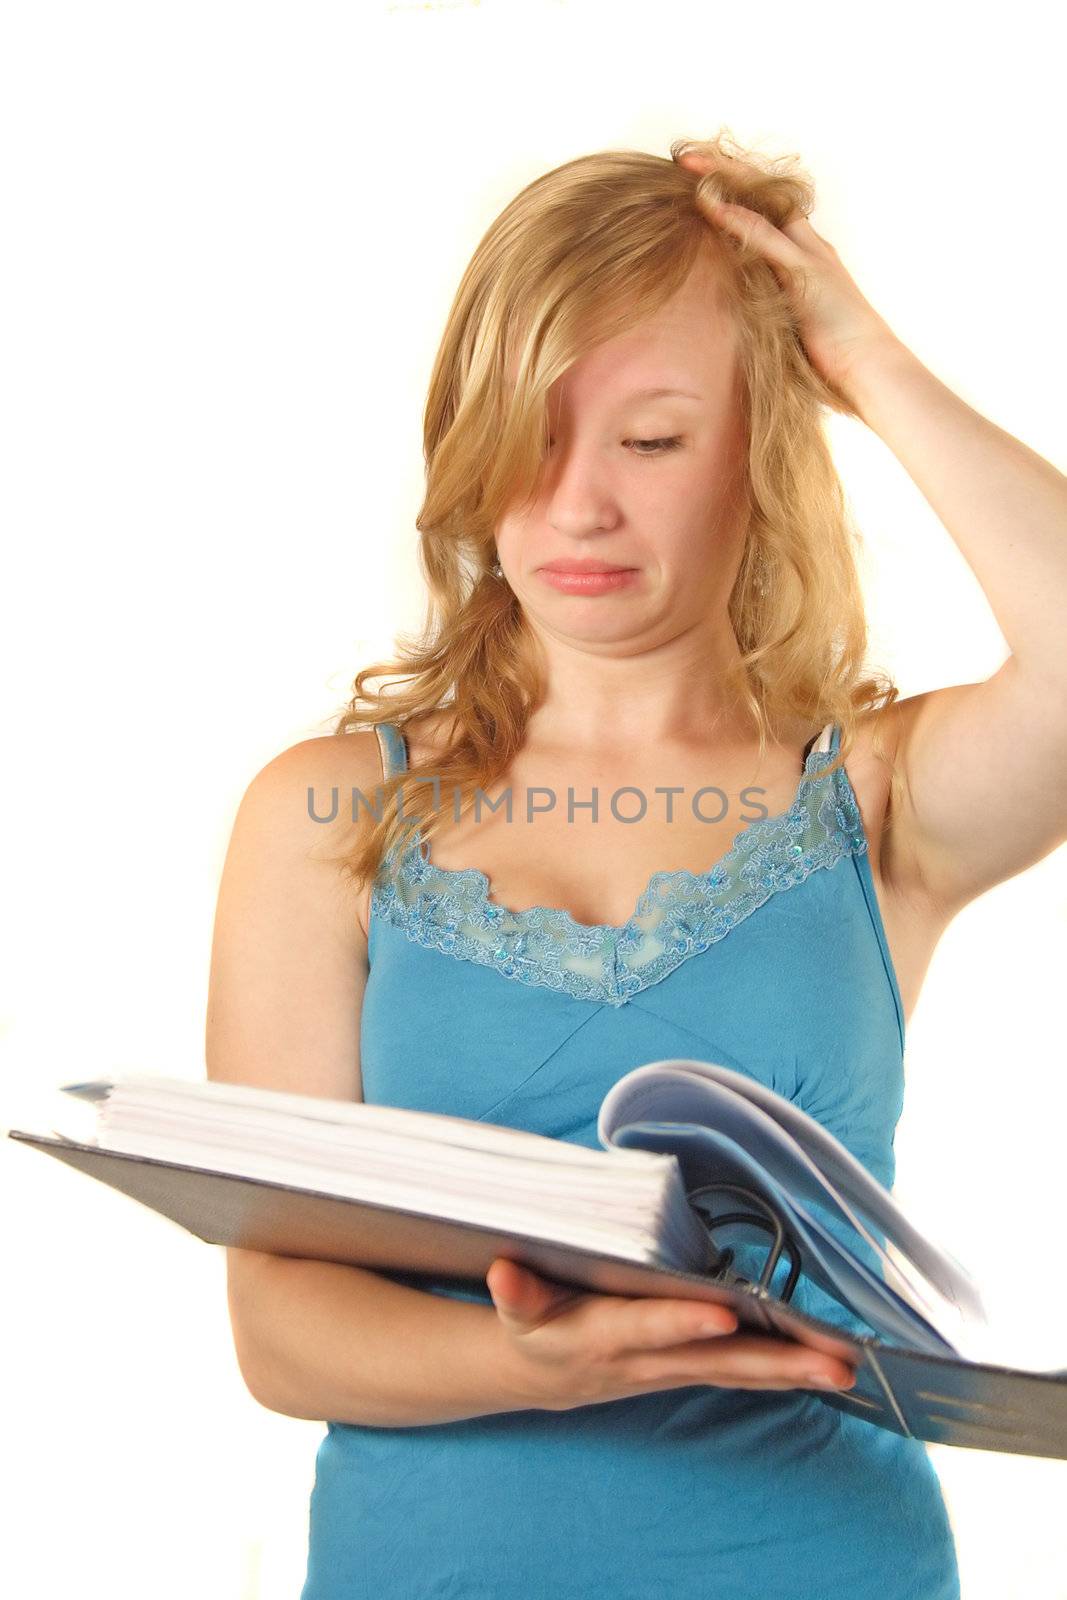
[688,344]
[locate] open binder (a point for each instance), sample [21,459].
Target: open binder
[709,1186]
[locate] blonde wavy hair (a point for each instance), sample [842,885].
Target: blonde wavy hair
[584,252]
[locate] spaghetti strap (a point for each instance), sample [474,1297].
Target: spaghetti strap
[826,743]
[392,747]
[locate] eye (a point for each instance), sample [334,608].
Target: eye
[658,446]
[647,447]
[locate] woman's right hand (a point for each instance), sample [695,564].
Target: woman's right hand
[576,1349]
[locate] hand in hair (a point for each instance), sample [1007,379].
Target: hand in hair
[837,326]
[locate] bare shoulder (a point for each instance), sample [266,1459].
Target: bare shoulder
[300,803]
[296,787]
[328,759]
[310,788]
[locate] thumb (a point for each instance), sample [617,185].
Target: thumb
[522,1299]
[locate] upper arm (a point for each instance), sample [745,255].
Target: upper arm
[984,785]
[289,955]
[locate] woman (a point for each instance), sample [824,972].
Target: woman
[522,1439]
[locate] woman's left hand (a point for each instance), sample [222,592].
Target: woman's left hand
[837,326]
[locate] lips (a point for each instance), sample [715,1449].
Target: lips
[587,566]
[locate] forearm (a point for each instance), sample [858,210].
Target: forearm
[322,1341]
[1003,504]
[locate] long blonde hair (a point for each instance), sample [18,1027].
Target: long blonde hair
[583,253]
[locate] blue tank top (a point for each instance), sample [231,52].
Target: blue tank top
[775,963]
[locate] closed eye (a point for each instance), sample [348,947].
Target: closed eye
[658,446]
[649,447]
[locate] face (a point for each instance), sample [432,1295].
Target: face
[649,483]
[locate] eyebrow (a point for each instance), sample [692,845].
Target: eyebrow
[655,394]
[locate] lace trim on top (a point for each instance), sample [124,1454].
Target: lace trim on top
[679,914]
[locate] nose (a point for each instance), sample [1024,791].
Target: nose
[579,496]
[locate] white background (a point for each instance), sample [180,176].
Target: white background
[233,233]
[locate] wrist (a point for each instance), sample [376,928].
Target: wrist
[873,374]
[522,1381]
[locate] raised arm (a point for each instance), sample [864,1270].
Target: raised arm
[984,765]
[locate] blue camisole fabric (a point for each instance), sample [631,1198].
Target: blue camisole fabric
[774,963]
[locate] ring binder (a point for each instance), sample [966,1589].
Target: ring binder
[783,1239]
[911,1377]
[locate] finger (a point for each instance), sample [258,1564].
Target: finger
[654,1324]
[744,1361]
[754,230]
[697,158]
[799,228]
[523,1299]
[506,1288]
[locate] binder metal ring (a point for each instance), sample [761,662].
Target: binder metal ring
[770,1221]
